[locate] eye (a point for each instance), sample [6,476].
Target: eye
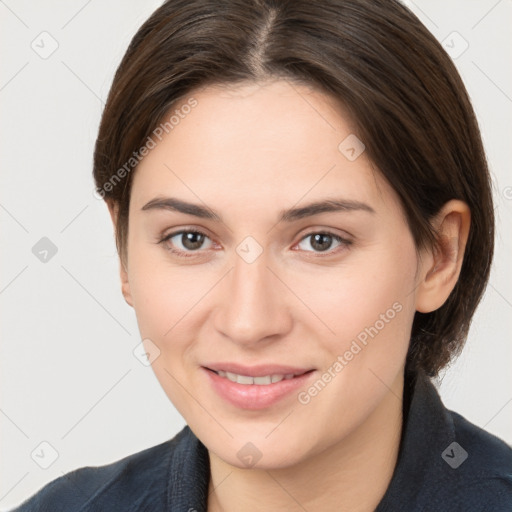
[322,241]
[185,241]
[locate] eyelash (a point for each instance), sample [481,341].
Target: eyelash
[187,254]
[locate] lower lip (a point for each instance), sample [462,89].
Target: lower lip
[255,396]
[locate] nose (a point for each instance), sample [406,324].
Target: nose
[254,305]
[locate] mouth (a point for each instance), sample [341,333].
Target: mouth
[262,380]
[264,387]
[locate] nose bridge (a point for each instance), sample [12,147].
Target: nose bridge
[252,303]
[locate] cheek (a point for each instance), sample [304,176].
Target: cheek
[371,313]
[372,292]
[163,294]
[166,300]
[164,313]
[377,324]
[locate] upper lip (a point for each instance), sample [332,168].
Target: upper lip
[259,370]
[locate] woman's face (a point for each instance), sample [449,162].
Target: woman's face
[328,290]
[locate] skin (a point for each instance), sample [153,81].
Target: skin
[248,152]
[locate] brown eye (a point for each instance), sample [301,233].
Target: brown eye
[182,242]
[192,240]
[322,241]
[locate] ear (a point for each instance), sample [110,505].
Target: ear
[440,268]
[113,208]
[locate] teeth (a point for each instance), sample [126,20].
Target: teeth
[261,381]
[242,379]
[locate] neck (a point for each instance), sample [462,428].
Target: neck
[351,475]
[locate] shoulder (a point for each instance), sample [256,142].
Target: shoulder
[481,463]
[446,463]
[135,482]
[473,472]
[492,453]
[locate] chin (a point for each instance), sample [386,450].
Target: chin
[250,452]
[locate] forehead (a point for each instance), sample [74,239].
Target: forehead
[274,142]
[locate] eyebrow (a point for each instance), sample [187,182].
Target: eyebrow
[293,214]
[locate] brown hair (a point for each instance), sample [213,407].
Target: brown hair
[405,95]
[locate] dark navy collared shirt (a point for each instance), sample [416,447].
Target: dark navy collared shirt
[445,464]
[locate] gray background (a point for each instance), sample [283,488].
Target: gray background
[68,373]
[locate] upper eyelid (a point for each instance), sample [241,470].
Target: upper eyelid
[181,231]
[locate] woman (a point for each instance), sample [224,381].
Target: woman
[305,227]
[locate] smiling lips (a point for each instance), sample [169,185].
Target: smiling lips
[262,374]
[261,381]
[255,387]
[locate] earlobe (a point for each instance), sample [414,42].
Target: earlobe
[440,268]
[113,209]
